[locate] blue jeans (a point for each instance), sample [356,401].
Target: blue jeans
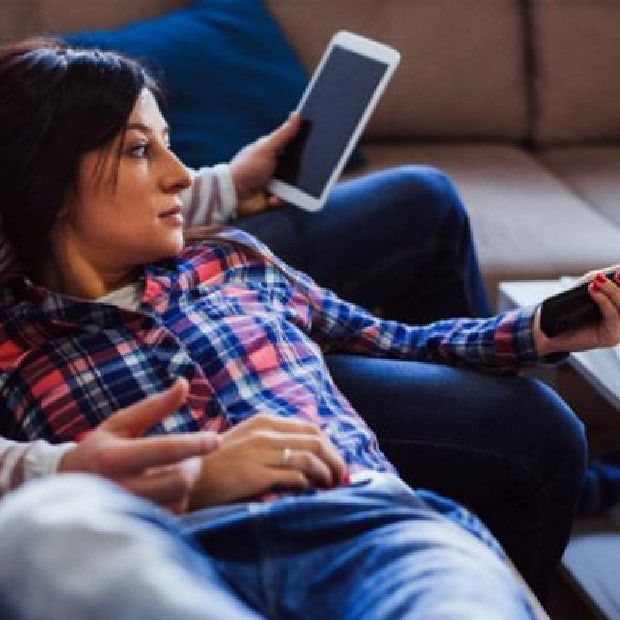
[82,548]
[397,240]
[509,448]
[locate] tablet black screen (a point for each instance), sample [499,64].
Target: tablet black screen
[329,116]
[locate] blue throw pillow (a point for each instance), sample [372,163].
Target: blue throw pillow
[228,73]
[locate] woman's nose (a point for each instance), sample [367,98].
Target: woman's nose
[178,176]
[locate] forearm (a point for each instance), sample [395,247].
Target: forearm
[503,343]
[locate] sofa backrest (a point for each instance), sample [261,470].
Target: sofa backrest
[576,52]
[462,73]
[504,70]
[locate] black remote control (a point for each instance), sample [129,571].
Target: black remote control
[569,309]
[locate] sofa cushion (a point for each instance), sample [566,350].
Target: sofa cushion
[227,68]
[577,83]
[593,173]
[462,69]
[526,223]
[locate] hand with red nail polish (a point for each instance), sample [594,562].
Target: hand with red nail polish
[604,290]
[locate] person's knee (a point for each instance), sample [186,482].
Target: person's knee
[562,434]
[568,429]
[51,510]
[81,547]
[432,184]
[531,431]
[39,524]
[466,574]
[51,494]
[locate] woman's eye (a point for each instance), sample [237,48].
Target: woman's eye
[140,150]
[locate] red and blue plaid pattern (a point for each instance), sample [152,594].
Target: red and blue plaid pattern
[245,329]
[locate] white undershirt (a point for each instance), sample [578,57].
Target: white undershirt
[128,297]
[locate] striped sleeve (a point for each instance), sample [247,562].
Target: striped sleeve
[501,344]
[212,198]
[23,461]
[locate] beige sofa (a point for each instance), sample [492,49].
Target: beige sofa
[518,101]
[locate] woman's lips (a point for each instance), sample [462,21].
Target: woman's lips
[172,216]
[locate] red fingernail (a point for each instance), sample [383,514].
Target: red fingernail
[595,288]
[617,276]
[600,278]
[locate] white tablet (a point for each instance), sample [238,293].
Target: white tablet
[335,108]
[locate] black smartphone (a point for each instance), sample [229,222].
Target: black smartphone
[569,309]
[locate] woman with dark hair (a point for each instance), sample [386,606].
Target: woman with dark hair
[111,306]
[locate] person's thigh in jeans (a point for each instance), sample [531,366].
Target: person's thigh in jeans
[80,548]
[396,241]
[372,549]
[507,447]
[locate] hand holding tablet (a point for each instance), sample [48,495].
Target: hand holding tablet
[335,108]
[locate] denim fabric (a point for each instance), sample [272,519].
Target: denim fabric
[82,548]
[397,241]
[509,448]
[76,547]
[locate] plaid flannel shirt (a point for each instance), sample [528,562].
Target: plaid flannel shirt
[245,329]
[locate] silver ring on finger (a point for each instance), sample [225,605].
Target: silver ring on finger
[287,453]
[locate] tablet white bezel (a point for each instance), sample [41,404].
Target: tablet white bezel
[365,47]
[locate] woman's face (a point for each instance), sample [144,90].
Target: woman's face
[121,217]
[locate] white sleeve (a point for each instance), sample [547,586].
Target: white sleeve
[23,461]
[212,198]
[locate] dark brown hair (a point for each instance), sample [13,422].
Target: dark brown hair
[56,104]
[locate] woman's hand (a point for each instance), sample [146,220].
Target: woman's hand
[603,333]
[253,166]
[267,453]
[161,468]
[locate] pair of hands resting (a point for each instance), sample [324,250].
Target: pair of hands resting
[204,469]
[604,333]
